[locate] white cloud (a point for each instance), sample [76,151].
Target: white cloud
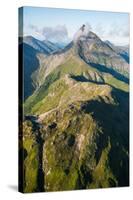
[122,31]
[83,31]
[56,34]
[100,30]
[116,33]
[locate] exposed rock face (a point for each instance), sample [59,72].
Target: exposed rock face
[95,51]
[79,133]
[123,51]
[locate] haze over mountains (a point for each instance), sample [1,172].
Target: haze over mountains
[76,113]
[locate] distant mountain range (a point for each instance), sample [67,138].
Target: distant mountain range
[31,48]
[121,50]
[76,126]
[43,46]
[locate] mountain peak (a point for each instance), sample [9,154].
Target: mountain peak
[84,33]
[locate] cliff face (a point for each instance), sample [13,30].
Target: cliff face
[75,130]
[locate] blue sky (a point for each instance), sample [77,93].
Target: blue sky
[61,24]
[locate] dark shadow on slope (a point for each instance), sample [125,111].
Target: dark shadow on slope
[114,120]
[81,78]
[113,72]
[28,64]
[40,177]
[125,56]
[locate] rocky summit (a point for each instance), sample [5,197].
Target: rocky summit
[76,115]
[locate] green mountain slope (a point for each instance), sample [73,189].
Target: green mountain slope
[77,69]
[85,140]
[78,120]
[80,150]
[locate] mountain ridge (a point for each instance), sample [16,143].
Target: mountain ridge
[76,120]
